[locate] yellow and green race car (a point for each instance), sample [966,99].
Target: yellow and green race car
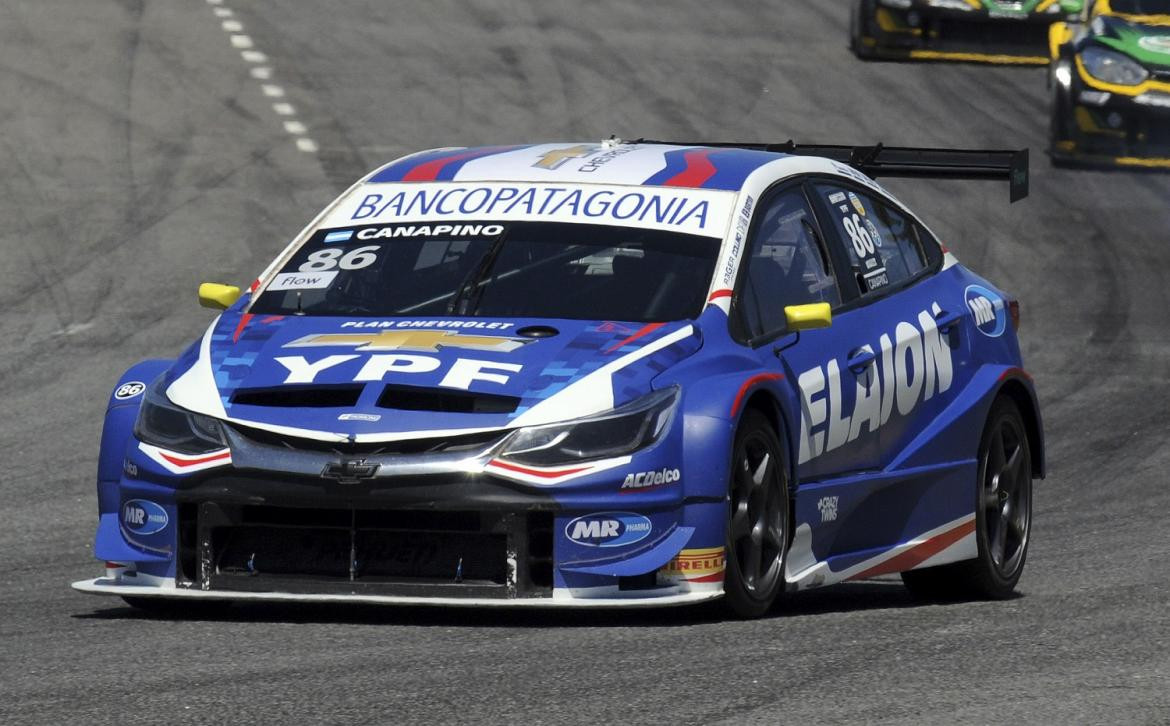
[1110,81]
[973,31]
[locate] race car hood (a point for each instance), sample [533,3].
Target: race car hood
[1147,44]
[394,378]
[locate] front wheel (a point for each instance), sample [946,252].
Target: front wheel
[758,519]
[1003,516]
[859,23]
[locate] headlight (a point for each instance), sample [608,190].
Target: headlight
[165,425]
[621,431]
[1113,67]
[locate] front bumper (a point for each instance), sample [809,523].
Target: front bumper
[441,528]
[999,35]
[1115,129]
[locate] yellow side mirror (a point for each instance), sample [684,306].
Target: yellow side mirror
[808,317]
[1058,34]
[216,296]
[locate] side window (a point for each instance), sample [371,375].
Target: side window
[883,244]
[788,265]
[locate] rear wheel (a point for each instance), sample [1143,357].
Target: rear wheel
[758,520]
[1003,516]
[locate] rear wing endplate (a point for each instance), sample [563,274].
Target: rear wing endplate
[906,162]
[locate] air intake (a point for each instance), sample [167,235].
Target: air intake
[411,398]
[299,396]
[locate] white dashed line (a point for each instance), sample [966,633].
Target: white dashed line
[260,72]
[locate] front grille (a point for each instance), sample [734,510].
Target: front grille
[991,36]
[411,446]
[420,553]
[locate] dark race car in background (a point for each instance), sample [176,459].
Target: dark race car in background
[1110,81]
[975,31]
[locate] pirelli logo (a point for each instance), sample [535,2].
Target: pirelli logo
[698,565]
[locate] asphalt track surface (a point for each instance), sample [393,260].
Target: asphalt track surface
[140,157]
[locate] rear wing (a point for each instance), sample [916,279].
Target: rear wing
[906,162]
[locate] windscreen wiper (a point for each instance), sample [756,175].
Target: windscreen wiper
[467,295]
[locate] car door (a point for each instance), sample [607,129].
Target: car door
[914,362]
[788,263]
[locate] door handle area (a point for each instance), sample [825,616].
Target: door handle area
[947,320]
[860,359]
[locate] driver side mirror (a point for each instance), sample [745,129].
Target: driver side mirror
[808,317]
[218,297]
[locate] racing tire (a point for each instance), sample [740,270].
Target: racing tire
[758,519]
[859,22]
[1060,126]
[1003,517]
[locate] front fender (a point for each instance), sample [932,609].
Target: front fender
[121,410]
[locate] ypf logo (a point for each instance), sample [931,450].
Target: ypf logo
[142,517]
[608,529]
[988,310]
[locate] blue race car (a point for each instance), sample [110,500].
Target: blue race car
[611,374]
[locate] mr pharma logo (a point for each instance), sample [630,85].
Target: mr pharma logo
[142,517]
[988,310]
[608,529]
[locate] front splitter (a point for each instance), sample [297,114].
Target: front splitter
[560,599]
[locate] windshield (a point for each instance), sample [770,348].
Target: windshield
[1141,7]
[515,269]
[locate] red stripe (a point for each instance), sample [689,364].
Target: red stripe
[192,462]
[725,292]
[243,324]
[759,378]
[713,577]
[271,319]
[1015,372]
[699,169]
[918,554]
[428,171]
[255,284]
[543,474]
[645,330]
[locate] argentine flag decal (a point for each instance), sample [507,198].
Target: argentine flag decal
[341,236]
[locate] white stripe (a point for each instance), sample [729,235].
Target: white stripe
[232,26]
[254,56]
[295,127]
[241,41]
[593,393]
[284,109]
[307,145]
[272,90]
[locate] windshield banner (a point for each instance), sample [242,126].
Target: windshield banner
[691,211]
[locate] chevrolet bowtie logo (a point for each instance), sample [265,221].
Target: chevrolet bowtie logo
[425,340]
[556,158]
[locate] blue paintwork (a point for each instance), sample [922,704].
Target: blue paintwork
[911,474]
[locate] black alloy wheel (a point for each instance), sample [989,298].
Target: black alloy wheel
[1003,516]
[758,519]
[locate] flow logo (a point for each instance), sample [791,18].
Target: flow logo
[608,529]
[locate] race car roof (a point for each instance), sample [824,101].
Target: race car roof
[618,163]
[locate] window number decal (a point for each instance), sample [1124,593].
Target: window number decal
[862,240]
[331,258]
